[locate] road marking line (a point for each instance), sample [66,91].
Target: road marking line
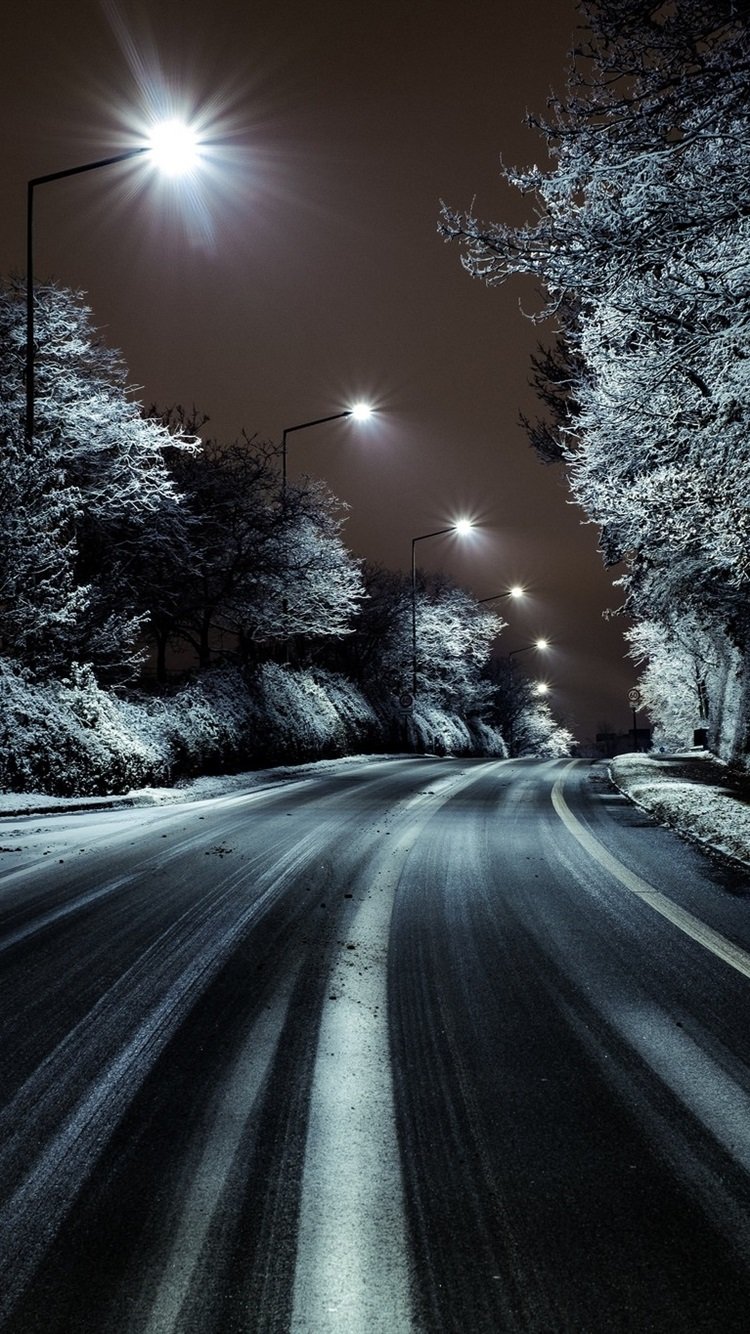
[724,949]
[352,1270]
[351,1274]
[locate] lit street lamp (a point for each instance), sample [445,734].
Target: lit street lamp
[359,411]
[172,147]
[515,592]
[462,527]
[538,644]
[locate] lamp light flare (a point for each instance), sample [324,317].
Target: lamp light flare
[541,643]
[516,591]
[361,411]
[463,526]
[174,147]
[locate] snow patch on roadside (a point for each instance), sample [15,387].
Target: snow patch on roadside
[191,789]
[675,791]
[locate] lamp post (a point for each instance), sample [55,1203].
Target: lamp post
[462,527]
[172,147]
[359,411]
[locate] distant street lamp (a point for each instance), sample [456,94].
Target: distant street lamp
[172,146]
[461,527]
[515,592]
[541,644]
[359,411]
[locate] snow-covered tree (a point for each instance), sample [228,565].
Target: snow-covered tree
[688,679]
[320,581]
[377,652]
[258,567]
[78,501]
[454,637]
[642,245]
[538,733]
[521,714]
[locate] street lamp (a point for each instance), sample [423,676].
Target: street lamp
[538,644]
[359,411]
[515,592]
[462,527]
[172,146]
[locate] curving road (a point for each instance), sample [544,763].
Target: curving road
[405,1045]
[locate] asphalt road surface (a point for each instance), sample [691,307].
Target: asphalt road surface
[420,1044]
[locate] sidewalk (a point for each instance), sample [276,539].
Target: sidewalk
[693,793]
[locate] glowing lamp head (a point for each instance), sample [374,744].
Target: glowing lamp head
[516,591]
[463,527]
[541,688]
[174,147]
[361,411]
[541,643]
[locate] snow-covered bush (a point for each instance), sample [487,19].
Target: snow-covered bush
[72,738]
[300,714]
[432,728]
[487,739]
[207,726]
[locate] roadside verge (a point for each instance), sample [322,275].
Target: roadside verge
[693,793]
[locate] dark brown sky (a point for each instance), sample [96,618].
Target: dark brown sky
[308,269]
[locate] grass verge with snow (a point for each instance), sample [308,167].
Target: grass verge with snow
[691,793]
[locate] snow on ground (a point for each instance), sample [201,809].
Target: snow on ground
[694,793]
[192,789]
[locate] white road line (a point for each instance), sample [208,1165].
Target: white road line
[711,940]
[352,1270]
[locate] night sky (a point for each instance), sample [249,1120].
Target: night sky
[303,269]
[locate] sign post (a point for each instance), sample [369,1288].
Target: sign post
[635,697]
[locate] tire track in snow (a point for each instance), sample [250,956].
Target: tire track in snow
[217,1161]
[35,1211]
[353,1268]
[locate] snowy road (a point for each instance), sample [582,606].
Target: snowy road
[413,1044]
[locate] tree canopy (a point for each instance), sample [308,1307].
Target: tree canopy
[132,538]
[78,501]
[641,243]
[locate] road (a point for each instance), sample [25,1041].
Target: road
[406,1045]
